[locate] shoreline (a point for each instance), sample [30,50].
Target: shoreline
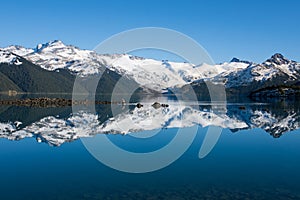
[52,102]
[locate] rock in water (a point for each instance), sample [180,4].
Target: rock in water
[139,105]
[156,105]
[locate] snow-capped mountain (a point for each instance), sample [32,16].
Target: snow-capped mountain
[56,131]
[154,74]
[276,77]
[56,55]
[276,66]
[150,73]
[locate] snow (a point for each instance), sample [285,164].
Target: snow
[56,55]
[287,70]
[18,50]
[153,74]
[263,72]
[8,57]
[160,75]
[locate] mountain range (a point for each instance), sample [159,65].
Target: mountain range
[52,68]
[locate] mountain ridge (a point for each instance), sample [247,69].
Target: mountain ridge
[238,76]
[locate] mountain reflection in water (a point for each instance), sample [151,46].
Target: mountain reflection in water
[56,126]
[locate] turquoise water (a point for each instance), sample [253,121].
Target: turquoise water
[243,164]
[247,164]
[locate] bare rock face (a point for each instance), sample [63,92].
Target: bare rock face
[278,59]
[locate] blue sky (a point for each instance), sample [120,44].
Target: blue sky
[251,30]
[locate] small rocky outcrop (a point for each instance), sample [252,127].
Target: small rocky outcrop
[139,105]
[165,105]
[156,105]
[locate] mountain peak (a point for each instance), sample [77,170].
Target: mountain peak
[277,55]
[236,60]
[278,59]
[54,43]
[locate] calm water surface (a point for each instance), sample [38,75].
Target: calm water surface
[257,155]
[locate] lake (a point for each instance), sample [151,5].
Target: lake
[180,150]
